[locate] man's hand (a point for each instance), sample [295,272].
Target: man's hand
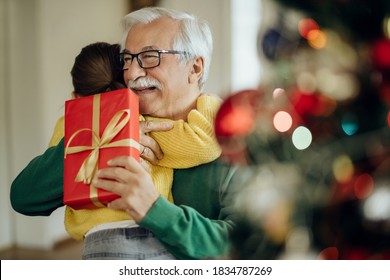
[131,179]
[128,179]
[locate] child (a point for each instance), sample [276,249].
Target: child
[96,71]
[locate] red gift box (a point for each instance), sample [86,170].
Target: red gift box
[97,128]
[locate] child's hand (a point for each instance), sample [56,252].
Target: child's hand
[149,149]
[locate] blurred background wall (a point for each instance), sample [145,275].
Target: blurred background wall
[39,40]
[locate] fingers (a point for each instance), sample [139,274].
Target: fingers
[149,149]
[149,126]
[126,162]
[108,185]
[145,165]
[123,171]
[118,204]
[128,178]
[124,191]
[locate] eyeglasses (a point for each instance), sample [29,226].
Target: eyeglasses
[145,59]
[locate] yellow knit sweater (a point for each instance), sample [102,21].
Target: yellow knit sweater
[188,144]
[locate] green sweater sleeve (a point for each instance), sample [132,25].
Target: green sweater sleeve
[198,225]
[38,189]
[186,233]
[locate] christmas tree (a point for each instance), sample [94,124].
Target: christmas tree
[314,138]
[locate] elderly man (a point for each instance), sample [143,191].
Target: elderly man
[166,55]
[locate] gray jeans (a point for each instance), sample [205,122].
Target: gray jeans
[134,243]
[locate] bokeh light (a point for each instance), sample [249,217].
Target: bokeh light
[282,121]
[306,25]
[364,185]
[276,223]
[237,122]
[343,169]
[388,118]
[237,114]
[338,86]
[306,82]
[302,138]
[381,53]
[317,39]
[350,123]
[386,27]
[329,253]
[377,206]
[298,239]
[298,244]
[338,54]
[278,92]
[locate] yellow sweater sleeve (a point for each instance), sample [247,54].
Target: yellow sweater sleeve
[192,142]
[58,132]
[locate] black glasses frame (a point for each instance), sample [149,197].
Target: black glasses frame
[124,61]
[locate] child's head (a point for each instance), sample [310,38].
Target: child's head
[96,70]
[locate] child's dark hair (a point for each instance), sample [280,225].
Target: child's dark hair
[97,69]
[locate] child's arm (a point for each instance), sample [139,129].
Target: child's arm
[58,132]
[193,142]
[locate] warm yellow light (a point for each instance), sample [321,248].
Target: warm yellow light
[317,39]
[343,169]
[386,27]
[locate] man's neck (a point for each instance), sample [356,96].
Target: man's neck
[183,115]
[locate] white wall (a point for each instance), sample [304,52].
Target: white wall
[245,23]
[40,40]
[5,213]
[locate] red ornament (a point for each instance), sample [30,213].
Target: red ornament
[356,253]
[381,53]
[330,253]
[235,120]
[237,114]
[311,104]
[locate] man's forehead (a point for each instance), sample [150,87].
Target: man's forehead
[156,34]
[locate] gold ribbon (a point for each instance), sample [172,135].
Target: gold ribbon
[89,167]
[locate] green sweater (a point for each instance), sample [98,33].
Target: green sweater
[197,226]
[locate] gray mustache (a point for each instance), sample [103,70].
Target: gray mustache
[144,83]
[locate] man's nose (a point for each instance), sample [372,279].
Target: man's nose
[134,71]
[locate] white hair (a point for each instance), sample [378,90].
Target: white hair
[194,36]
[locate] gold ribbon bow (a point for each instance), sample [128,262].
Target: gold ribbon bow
[89,166]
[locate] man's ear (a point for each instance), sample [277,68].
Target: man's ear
[196,70]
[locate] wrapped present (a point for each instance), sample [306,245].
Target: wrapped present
[97,128]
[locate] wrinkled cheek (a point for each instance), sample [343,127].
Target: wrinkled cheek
[143,108]
[125,77]
[147,105]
